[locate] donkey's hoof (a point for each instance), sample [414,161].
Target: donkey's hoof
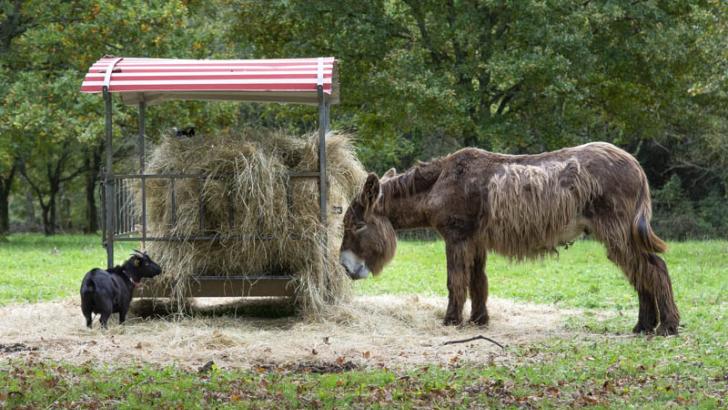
[641,328]
[480,320]
[666,329]
[452,321]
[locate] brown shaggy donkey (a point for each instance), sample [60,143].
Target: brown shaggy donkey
[521,206]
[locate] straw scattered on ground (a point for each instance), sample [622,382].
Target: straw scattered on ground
[377,331]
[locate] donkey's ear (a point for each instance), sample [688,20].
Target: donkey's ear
[370,193]
[389,174]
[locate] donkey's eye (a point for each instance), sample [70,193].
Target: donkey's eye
[359,228]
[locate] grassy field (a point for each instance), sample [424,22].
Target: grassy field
[608,369]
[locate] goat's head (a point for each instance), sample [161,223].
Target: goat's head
[140,265]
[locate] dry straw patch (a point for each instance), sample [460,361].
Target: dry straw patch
[247,192]
[378,331]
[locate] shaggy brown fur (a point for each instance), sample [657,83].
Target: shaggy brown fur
[521,206]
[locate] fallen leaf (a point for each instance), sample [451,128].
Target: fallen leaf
[366,354]
[206,367]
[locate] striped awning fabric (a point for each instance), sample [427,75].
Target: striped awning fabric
[153,80]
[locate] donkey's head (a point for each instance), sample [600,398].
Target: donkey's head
[369,239]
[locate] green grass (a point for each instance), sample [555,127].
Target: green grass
[580,276]
[36,268]
[604,369]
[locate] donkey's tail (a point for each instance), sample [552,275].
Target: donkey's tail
[642,233]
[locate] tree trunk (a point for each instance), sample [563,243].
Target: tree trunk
[45,211]
[4,213]
[30,221]
[52,209]
[64,210]
[5,184]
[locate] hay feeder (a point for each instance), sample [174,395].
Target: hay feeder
[144,82]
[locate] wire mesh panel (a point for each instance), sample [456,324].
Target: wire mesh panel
[134,218]
[127,219]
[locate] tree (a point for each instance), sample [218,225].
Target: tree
[520,76]
[62,131]
[12,25]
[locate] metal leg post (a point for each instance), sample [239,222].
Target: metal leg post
[109,184]
[142,129]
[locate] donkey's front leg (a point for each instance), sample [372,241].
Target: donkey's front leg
[479,289]
[459,264]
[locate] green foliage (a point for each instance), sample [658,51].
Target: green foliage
[419,78]
[516,76]
[46,125]
[676,217]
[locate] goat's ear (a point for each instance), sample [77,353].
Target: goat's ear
[370,193]
[137,262]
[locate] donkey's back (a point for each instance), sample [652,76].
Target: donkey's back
[536,203]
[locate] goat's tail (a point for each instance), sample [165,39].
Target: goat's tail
[88,285]
[642,234]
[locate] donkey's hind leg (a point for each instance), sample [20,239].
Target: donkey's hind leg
[479,289]
[648,274]
[669,315]
[647,320]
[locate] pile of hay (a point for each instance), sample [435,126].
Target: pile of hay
[274,228]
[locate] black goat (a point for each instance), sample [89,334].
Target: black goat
[107,292]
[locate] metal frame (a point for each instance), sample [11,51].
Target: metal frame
[209,286]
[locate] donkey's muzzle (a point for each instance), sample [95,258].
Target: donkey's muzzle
[354,265]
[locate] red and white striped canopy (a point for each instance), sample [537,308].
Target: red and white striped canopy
[152,80]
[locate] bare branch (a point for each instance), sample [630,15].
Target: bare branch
[452,342]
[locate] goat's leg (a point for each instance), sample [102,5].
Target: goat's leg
[123,309]
[459,265]
[479,289]
[87,313]
[104,319]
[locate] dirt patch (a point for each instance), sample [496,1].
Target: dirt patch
[378,331]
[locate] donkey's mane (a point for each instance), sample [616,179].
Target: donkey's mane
[417,179]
